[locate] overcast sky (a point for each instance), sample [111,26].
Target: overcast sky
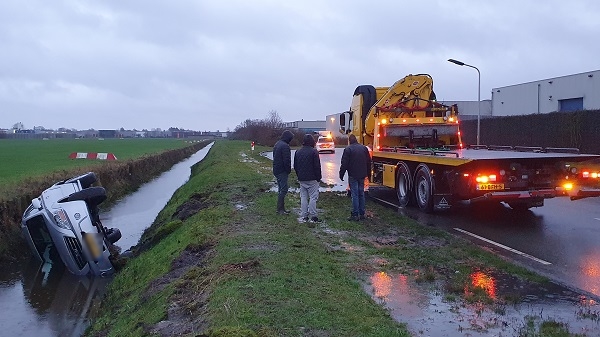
[210,65]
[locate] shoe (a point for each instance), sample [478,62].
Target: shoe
[305,219]
[283,212]
[314,219]
[361,217]
[353,218]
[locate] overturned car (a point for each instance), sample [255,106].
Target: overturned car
[63,225]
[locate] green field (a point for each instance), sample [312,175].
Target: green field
[27,158]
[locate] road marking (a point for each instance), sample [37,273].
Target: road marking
[385,202]
[503,246]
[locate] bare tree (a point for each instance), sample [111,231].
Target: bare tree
[273,120]
[264,132]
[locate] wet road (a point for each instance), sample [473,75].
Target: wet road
[47,301]
[560,240]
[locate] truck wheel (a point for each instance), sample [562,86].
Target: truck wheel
[424,188]
[404,185]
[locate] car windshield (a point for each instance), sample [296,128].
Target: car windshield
[324,140]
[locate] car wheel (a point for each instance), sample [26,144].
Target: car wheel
[93,196]
[85,180]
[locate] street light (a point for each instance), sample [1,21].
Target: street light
[478,93]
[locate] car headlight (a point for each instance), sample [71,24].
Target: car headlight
[62,220]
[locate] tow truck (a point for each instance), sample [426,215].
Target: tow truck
[417,150]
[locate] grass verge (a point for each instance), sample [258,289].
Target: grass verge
[218,261]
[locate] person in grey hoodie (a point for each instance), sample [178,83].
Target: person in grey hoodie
[282,167]
[307,165]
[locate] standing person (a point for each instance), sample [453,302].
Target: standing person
[307,165]
[282,167]
[357,161]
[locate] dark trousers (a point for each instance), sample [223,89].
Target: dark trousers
[282,189]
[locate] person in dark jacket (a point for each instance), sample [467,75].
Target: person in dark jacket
[356,160]
[307,165]
[282,167]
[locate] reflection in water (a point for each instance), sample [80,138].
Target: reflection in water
[590,267]
[330,164]
[427,312]
[62,300]
[394,291]
[382,285]
[485,282]
[329,171]
[44,300]
[47,300]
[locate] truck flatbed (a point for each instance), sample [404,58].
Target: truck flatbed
[459,157]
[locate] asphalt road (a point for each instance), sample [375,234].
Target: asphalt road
[560,240]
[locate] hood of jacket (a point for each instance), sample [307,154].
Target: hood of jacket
[287,136]
[352,139]
[308,140]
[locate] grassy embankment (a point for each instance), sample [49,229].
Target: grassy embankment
[219,261]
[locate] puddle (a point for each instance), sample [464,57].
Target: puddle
[246,159]
[428,311]
[329,170]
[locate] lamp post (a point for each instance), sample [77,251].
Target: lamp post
[478,93]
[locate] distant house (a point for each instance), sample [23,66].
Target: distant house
[107,133]
[127,134]
[91,133]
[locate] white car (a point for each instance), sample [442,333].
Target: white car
[325,144]
[63,225]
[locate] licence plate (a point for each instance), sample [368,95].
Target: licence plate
[92,242]
[490,187]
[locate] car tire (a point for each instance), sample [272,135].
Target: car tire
[112,234]
[93,196]
[85,180]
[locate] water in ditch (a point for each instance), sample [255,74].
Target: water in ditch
[47,301]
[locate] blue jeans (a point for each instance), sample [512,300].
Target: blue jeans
[357,190]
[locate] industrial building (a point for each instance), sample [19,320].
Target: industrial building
[565,93]
[305,126]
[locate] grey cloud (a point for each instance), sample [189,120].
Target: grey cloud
[210,65]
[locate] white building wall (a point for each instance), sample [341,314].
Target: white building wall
[332,124]
[543,96]
[302,124]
